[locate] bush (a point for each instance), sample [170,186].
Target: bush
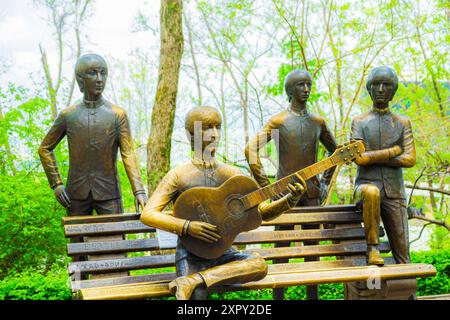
[440,284]
[34,286]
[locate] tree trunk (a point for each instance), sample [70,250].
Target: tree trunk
[171,51]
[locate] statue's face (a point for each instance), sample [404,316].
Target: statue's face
[95,75]
[382,88]
[210,133]
[302,88]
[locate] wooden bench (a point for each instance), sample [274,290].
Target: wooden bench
[112,260]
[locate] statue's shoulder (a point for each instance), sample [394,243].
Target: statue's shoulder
[228,169]
[366,116]
[115,108]
[72,109]
[279,118]
[317,118]
[401,118]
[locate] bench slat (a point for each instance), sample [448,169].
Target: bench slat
[317,217]
[308,277]
[324,250]
[243,238]
[109,228]
[114,265]
[299,235]
[104,247]
[135,216]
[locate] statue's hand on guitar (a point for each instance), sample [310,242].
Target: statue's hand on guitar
[297,190]
[203,231]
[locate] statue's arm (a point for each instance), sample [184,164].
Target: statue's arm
[152,214]
[407,158]
[271,210]
[128,155]
[46,154]
[329,142]
[252,148]
[373,156]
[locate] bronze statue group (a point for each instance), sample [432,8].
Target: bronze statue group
[96,129]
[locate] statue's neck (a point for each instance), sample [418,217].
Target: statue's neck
[204,160]
[93,103]
[298,106]
[381,107]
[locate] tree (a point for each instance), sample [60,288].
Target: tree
[163,114]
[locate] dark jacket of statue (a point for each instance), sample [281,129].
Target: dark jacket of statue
[381,131]
[299,137]
[94,136]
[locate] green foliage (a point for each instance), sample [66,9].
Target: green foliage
[35,286]
[31,235]
[440,284]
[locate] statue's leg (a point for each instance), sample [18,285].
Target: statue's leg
[80,208]
[368,198]
[278,294]
[112,206]
[312,292]
[395,220]
[233,267]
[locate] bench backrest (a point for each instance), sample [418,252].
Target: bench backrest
[118,244]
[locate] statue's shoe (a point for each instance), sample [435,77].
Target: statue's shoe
[183,286]
[374,258]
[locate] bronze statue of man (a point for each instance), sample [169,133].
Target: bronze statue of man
[379,188]
[95,130]
[194,273]
[299,133]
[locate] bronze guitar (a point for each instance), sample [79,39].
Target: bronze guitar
[232,207]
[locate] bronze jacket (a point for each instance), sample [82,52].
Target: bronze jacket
[383,130]
[298,143]
[94,136]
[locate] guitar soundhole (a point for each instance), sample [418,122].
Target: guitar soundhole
[235,206]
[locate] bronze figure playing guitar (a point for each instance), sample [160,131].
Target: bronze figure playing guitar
[234,206]
[194,273]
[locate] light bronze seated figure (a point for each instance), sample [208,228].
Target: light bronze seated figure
[194,273]
[379,188]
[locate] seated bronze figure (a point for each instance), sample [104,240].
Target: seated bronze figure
[379,188]
[195,273]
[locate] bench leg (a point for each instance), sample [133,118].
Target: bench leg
[401,289]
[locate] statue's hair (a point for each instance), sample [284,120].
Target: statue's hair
[204,114]
[385,69]
[82,63]
[291,79]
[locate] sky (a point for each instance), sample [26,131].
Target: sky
[23,26]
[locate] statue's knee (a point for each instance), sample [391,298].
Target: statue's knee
[371,192]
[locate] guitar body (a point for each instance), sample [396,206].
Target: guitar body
[220,207]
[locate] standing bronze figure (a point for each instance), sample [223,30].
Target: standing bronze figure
[299,135]
[95,130]
[195,273]
[379,188]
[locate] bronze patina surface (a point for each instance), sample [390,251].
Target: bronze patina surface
[379,188]
[299,133]
[194,273]
[95,130]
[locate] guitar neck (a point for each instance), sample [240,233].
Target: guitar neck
[256,197]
